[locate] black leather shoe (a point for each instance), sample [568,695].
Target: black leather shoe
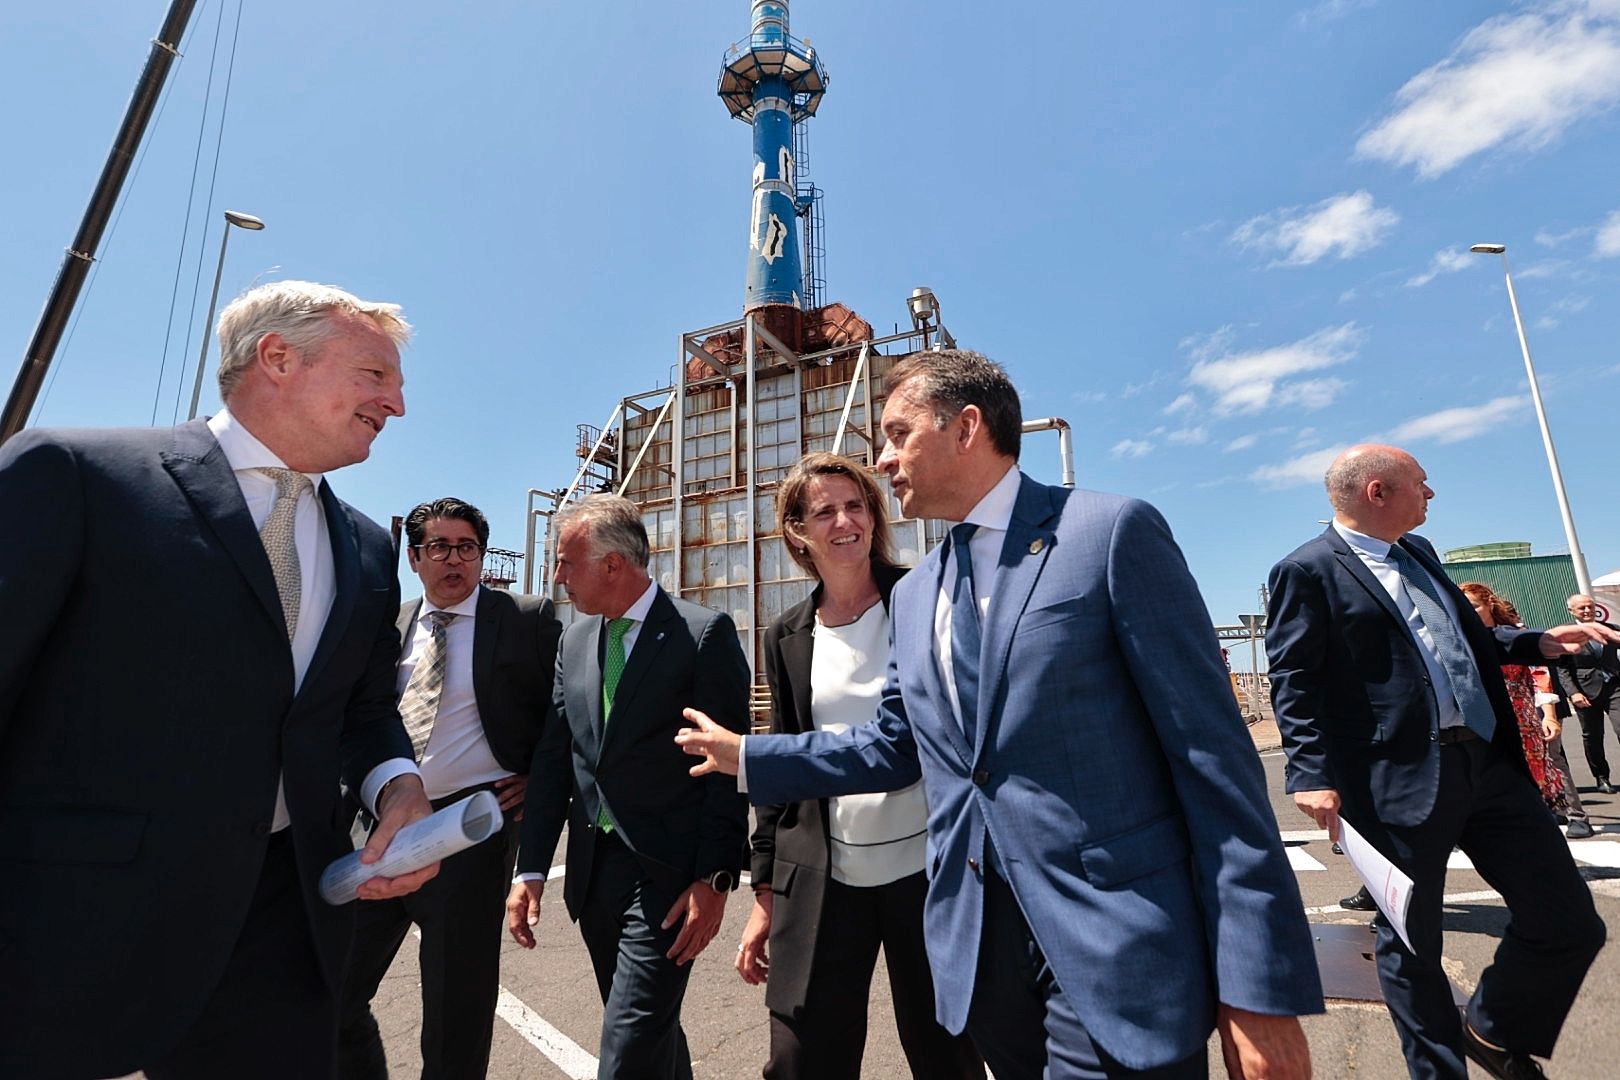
[1361,901]
[1604,786]
[1499,1063]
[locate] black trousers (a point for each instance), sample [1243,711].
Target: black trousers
[1488,806]
[272,1015]
[827,1039]
[462,916]
[1605,705]
[1023,1022]
[642,989]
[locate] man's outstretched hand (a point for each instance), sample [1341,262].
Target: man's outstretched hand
[1572,637]
[718,747]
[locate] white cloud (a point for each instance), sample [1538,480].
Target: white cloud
[1548,238]
[1517,81]
[1344,225]
[1089,397]
[1445,261]
[1608,237]
[1242,442]
[1251,381]
[1463,422]
[1189,436]
[1305,469]
[1132,448]
[1183,403]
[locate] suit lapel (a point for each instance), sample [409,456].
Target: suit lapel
[346,579]
[649,641]
[1364,577]
[486,628]
[408,614]
[1029,542]
[798,645]
[199,467]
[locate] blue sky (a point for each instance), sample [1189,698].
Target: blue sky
[1221,240]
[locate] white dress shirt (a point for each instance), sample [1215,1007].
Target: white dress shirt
[992,514]
[1374,554]
[457,754]
[317,576]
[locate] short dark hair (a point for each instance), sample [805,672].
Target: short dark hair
[952,379]
[416,521]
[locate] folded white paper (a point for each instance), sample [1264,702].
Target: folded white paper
[455,828]
[1391,888]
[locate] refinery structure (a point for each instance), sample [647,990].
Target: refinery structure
[795,373]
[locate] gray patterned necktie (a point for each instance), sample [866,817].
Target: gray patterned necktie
[1450,648]
[419,704]
[277,536]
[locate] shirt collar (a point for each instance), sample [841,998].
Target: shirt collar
[995,510]
[1361,542]
[243,451]
[637,612]
[467,606]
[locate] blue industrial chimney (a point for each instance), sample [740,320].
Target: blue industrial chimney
[772,82]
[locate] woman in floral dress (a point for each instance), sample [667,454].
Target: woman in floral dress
[1494,611]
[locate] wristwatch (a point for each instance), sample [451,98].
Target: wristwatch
[721,881]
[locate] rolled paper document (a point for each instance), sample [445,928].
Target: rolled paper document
[455,828]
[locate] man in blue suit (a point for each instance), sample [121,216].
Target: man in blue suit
[1106,881]
[1388,689]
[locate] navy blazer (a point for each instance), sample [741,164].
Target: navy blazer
[679,828]
[1128,810]
[147,712]
[1351,691]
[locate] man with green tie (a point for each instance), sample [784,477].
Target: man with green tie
[651,854]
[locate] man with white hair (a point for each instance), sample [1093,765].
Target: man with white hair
[1590,679]
[199,645]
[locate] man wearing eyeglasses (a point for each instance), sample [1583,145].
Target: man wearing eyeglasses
[474,681]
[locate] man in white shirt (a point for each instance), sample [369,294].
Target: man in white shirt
[199,646]
[474,682]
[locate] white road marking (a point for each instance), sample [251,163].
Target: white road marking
[563,1052]
[1300,861]
[1604,853]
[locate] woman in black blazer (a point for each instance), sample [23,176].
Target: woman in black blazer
[836,878]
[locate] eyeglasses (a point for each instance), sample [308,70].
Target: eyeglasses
[439,550]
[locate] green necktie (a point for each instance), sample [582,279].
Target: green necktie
[612,669]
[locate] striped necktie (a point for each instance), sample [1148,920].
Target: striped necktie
[419,704]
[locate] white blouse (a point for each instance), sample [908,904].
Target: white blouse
[882,836]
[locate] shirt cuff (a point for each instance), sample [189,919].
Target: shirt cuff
[528,877]
[378,778]
[1546,699]
[742,764]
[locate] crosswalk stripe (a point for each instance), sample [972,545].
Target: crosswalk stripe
[563,1052]
[1301,862]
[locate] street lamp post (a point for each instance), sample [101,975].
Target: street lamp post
[241,221]
[1583,580]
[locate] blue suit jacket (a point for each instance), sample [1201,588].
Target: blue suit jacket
[1127,807]
[1350,689]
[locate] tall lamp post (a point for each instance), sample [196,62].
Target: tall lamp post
[1583,580]
[241,221]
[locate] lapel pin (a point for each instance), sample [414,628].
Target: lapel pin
[660,636]
[1035,546]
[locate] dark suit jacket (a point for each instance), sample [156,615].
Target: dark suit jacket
[792,851]
[1351,691]
[1128,811]
[1588,672]
[514,662]
[146,712]
[679,828]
